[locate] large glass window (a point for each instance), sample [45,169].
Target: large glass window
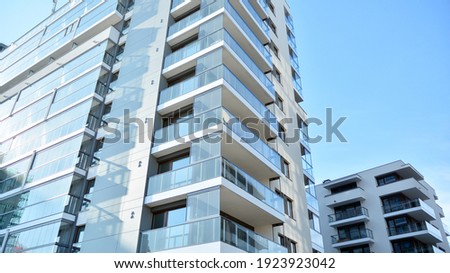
[175,163]
[356,249]
[388,179]
[352,232]
[13,176]
[169,218]
[203,204]
[27,240]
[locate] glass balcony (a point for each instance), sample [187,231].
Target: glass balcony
[213,117]
[289,22]
[291,41]
[207,231]
[402,206]
[256,42]
[298,85]
[294,63]
[312,201]
[362,234]
[195,17]
[222,35]
[428,232]
[355,212]
[212,75]
[307,167]
[248,137]
[218,167]
[256,17]
[213,7]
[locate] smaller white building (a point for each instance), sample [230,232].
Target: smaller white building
[385,209]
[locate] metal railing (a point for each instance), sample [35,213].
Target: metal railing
[364,233]
[349,213]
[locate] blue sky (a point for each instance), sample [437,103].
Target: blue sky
[385,65]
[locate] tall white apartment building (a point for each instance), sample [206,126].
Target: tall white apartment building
[151,126]
[385,209]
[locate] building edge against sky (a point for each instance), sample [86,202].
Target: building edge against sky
[389,208]
[107,147]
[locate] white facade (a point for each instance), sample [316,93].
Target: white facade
[181,144]
[385,209]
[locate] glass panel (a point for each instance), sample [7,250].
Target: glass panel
[203,204]
[192,174]
[20,242]
[208,231]
[13,176]
[176,217]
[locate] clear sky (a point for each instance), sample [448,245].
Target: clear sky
[385,65]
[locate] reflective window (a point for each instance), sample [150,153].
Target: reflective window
[13,176]
[169,218]
[20,242]
[203,204]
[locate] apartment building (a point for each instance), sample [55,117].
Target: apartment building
[156,126]
[385,209]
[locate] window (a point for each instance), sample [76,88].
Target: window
[288,204]
[309,186]
[126,26]
[272,25]
[285,168]
[410,246]
[343,188]
[79,235]
[271,6]
[274,48]
[388,179]
[314,222]
[175,163]
[281,132]
[289,207]
[395,203]
[290,244]
[356,249]
[169,217]
[178,116]
[279,101]
[354,232]
[348,211]
[120,51]
[277,74]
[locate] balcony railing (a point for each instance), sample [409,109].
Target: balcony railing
[212,75]
[213,7]
[407,205]
[359,211]
[255,16]
[208,231]
[289,22]
[298,85]
[362,234]
[414,227]
[213,168]
[222,35]
[292,42]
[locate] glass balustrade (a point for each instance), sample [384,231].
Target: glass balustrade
[218,167]
[217,229]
